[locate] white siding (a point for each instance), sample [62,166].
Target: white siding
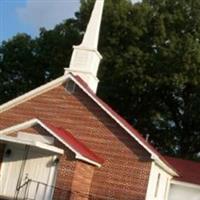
[163,186]
[184,192]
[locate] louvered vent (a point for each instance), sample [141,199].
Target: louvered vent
[70,86]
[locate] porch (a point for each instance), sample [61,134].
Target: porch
[28,168]
[34,154]
[57,193]
[40,191]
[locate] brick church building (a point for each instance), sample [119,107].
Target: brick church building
[61,141]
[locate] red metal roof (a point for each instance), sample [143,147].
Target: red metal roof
[134,132]
[74,143]
[189,171]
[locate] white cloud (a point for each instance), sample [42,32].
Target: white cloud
[135,1]
[47,13]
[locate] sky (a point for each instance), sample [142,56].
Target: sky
[28,16]
[18,16]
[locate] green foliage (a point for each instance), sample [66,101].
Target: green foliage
[150,72]
[18,69]
[29,63]
[151,69]
[55,47]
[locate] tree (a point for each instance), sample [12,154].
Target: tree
[19,71]
[28,63]
[151,69]
[55,47]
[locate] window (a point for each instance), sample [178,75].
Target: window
[157,186]
[70,86]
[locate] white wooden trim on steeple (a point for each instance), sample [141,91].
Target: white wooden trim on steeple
[91,37]
[86,58]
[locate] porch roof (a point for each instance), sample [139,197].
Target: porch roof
[37,144]
[82,152]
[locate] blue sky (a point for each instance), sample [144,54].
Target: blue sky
[28,16]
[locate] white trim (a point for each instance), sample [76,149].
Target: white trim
[164,166]
[149,189]
[80,157]
[35,137]
[68,70]
[19,127]
[163,188]
[88,49]
[185,184]
[39,145]
[33,93]
[59,81]
[49,147]
[32,122]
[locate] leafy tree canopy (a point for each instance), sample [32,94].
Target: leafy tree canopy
[150,72]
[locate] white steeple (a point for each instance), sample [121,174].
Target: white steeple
[86,58]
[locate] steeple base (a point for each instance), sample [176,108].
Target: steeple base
[91,80]
[85,63]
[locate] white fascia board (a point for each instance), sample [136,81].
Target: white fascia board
[19,127]
[33,93]
[15,140]
[164,166]
[185,184]
[49,147]
[31,143]
[80,157]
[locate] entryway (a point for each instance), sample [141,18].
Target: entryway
[26,172]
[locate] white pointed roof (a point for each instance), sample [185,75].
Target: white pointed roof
[91,36]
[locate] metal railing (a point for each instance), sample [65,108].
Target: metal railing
[24,187]
[35,190]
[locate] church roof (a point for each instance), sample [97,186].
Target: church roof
[188,170]
[75,144]
[155,155]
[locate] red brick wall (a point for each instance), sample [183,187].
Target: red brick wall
[82,180]
[124,175]
[65,173]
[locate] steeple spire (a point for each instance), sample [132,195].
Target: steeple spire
[86,58]
[91,36]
